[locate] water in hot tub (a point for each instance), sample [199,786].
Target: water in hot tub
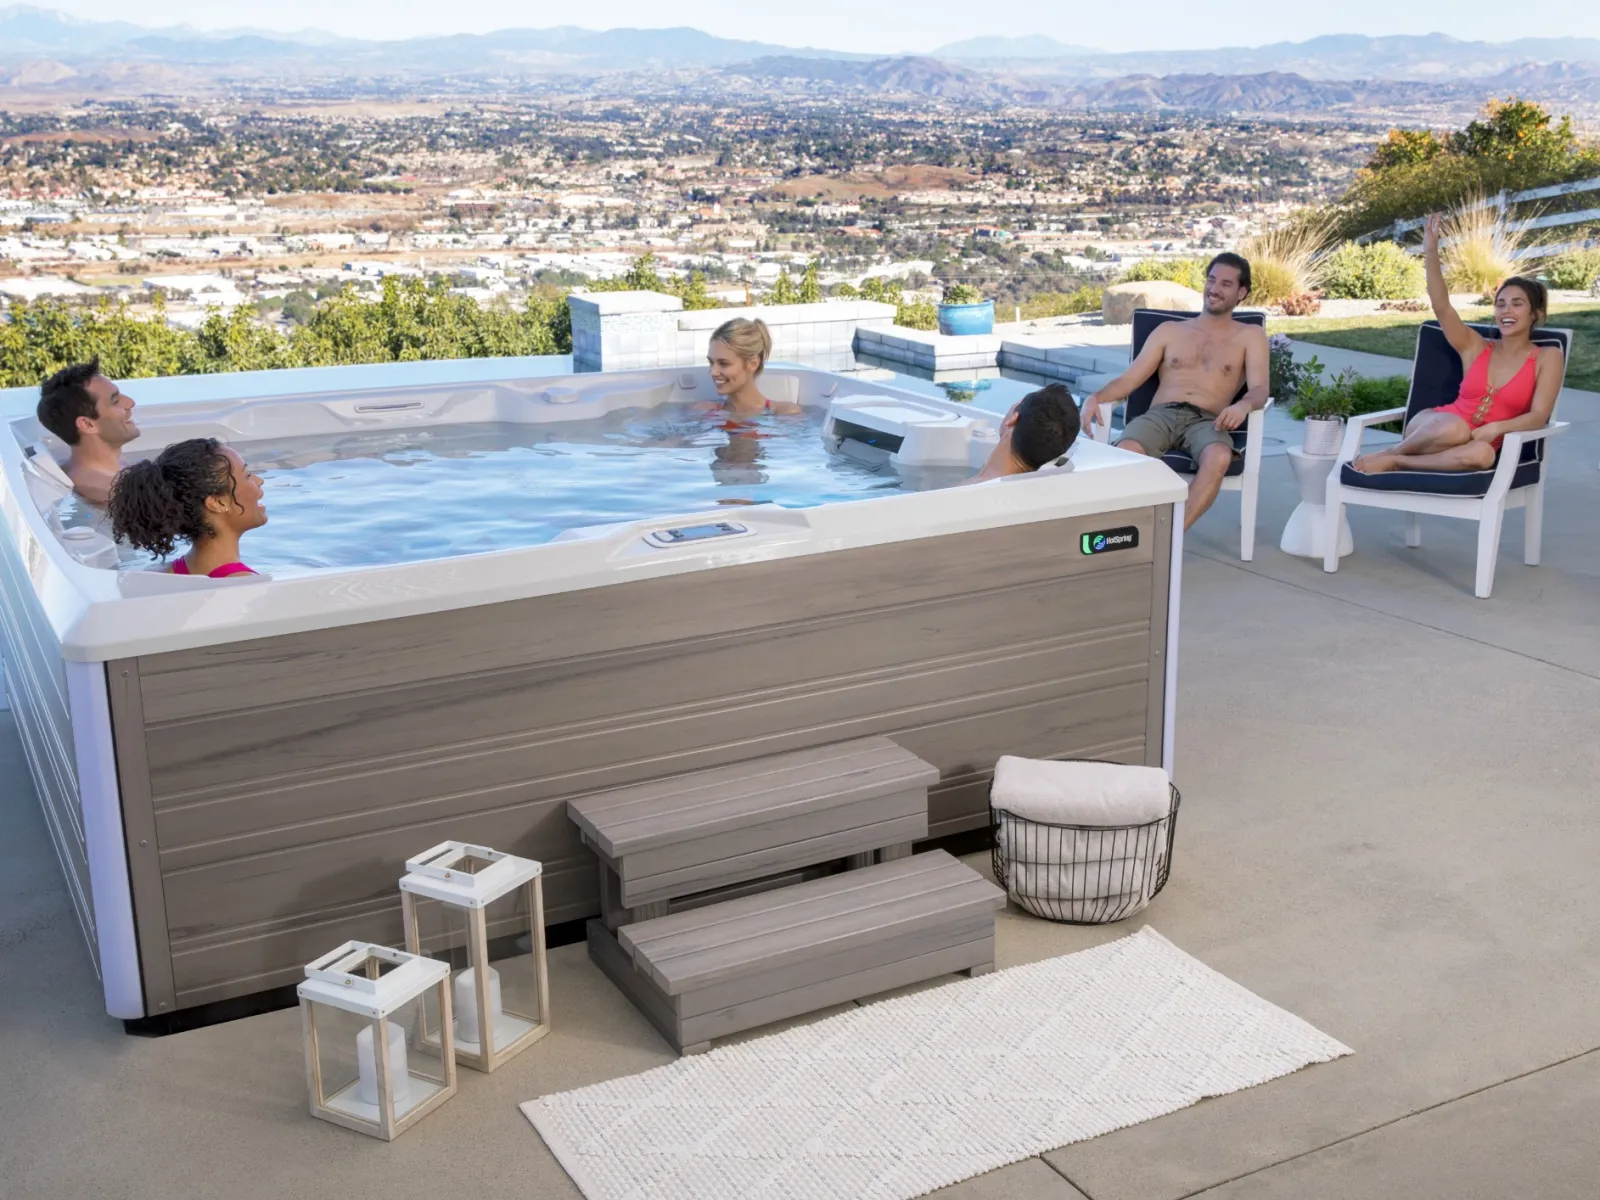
[421,493]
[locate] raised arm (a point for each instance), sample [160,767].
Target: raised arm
[1139,370]
[1257,379]
[1466,342]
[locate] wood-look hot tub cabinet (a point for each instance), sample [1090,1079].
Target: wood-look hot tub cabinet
[234,777]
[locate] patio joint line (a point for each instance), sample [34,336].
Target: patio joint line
[1361,1133]
[1465,637]
[1072,1183]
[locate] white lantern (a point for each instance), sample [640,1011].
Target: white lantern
[365,1011]
[482,912]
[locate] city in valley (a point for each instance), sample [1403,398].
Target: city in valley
[205,172]
[273,204]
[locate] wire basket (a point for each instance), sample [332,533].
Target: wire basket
[1082,874]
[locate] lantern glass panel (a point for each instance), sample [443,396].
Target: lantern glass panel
[347,1058]
[444,932]
[509,923]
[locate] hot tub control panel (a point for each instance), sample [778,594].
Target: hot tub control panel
[685,534]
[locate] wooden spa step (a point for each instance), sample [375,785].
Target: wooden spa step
[658,841]
[747,962]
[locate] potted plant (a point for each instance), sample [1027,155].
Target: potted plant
[965,311]
[1324,407]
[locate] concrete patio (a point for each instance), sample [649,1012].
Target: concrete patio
[1389,828]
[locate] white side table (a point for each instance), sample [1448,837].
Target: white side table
[1303,534]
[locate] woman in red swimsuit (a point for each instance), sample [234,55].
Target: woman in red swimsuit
[1510,383]
[198,491]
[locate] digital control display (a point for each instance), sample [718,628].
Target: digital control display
[696,533]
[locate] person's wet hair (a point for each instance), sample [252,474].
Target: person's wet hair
[156,503]
[1237,261]
[1047,423]
[65,397]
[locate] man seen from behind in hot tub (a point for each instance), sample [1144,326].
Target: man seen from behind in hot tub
[1036,432]
[1202,361]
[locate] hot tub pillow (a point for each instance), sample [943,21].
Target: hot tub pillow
[1080,793]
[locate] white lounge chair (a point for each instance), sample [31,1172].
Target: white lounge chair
[1515,481]
[1244,476]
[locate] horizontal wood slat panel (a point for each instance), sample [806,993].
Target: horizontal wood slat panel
[397,724]
[298,811]
[317,663]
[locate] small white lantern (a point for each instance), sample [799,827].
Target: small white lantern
[357,999]
[481,911]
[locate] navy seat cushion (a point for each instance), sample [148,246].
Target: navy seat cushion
[1180,462]
[1437,483]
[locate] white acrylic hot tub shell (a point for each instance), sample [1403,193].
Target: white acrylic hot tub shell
[97,615]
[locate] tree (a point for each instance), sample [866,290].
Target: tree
[1405,148]
[1512,146]
[810,291]
[783,291]
[1513,130]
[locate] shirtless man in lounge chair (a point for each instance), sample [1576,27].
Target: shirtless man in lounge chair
[95,419]
[1202,361]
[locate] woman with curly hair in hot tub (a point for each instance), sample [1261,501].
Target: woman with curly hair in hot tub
[199,492]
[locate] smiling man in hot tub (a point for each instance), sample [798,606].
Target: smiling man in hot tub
[1037,432]
[94,418]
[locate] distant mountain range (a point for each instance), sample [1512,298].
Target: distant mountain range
[45,50]
[1268,92]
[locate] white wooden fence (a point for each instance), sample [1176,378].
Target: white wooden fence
[1503,202]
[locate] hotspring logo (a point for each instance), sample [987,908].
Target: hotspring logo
[1107,540]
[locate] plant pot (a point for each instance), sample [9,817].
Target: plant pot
[1323,435]
[960,320]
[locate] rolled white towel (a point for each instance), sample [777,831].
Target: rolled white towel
[1080,793]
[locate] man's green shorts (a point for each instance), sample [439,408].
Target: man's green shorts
[1164,427]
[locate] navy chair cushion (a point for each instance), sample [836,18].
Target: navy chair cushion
[1437,483]
[1180,461]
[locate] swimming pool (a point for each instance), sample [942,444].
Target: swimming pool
[234,772]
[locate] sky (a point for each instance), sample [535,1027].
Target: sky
[891,26]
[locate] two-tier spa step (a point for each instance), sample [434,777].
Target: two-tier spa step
[770,819]
[734,965]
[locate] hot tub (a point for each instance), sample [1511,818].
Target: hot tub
[234,772]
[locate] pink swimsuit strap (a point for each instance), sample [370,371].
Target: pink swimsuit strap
[181,567]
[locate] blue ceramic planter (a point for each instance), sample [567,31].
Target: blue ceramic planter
[960,319]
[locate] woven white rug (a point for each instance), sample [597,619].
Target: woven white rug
[901,1097]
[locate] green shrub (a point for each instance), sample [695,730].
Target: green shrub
[962,293]
[1575,270]
[1368,395]
[1191,272]
[1381,271]
[908,314]
[642,276]
[408,322]
[916,314]
[1087,298]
